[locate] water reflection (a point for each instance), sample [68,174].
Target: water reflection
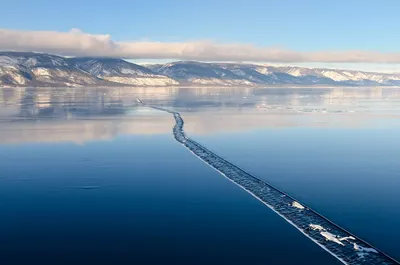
[84,114]
[347,175]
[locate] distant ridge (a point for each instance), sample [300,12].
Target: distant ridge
[40,69]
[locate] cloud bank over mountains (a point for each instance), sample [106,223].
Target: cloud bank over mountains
[78,43]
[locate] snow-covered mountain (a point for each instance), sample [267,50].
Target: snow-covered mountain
[120,71]
[37,69]
[32,69]
[256,75]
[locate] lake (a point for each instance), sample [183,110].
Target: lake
[91,176]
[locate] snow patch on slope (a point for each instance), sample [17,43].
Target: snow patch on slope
[335,75]
[263,70]
[221,82]
[12,75]
[142,81]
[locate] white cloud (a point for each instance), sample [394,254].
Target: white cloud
[78,43]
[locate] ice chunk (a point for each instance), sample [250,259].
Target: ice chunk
[317,227]
[362,249]
[362,252]
[347,238]
[297,205]
[331,237]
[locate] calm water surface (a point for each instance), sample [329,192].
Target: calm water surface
[88,176]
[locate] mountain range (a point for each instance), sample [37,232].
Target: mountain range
[38,69]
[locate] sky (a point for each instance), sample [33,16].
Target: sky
[353,33]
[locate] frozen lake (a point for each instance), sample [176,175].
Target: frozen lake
[90,175]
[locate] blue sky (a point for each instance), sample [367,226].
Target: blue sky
[308,25]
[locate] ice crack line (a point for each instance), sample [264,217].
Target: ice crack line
[343,245]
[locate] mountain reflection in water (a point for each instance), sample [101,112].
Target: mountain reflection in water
[83,114]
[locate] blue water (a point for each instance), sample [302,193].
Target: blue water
[87,177]
[349,176]
[134,200]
